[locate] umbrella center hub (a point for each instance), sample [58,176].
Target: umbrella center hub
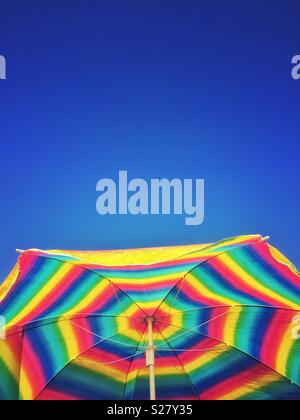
[150,319]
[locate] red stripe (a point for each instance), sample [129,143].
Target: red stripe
[265,252]
[235,281]
[246,378]
[195,296]
[100,356]
[50,394]
[100,300]
[50,299]
[26,262]
[216,327]
[154,285]
[83,332]
[32,367]
[273,337]
[204,347]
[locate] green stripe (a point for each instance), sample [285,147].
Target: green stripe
[261,275]
[9,388]
[32,288]
[212,283]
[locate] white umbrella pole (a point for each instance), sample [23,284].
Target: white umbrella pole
[150,359]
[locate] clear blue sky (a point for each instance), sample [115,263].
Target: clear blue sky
[161,88]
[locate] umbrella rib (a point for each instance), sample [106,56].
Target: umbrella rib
[20,370]
[214,244]
[136,378]
[137,373]
[116,295]
[170,306]
[235,306]
[180,363]
[137,347]
[61,318]
[234,348]
[198,265]
[102,337]
[114,361]
[197,326]
[74,358]
[51,257]
[86,269]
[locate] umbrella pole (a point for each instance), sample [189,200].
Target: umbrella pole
[150,359]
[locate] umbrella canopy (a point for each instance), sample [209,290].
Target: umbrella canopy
[211,321]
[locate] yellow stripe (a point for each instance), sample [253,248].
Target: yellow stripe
[9,282]
[284,350]
[159,371]
[110,371]
[250,280]
[146,306]
[250,387]
[125,257]
[26,391]
[202,360]
[42,294]
[9,359]
[200,289]
[230,327]
[278,256]
[89,298]
[123,327]
[172,277]
[69,339]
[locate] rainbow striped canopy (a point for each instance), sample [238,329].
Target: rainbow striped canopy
[223,321]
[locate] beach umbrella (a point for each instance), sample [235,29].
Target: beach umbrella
[210,322]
